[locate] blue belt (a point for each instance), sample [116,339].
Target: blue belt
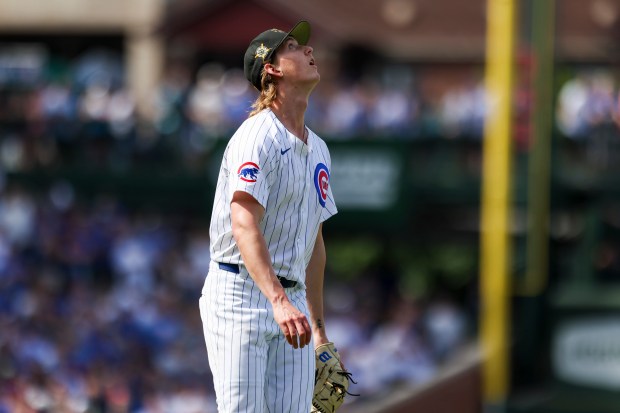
[286,283]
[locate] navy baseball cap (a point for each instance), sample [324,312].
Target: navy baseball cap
[263,46]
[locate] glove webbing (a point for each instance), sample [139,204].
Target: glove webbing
[349,377]
[339,388]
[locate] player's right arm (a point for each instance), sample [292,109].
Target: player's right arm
[246,214]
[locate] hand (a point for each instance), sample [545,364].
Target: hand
[293,324]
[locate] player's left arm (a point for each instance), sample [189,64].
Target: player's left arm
[314,289]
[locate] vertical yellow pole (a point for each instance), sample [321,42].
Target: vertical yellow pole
[495,278]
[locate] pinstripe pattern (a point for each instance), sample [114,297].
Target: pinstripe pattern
[254,368]
[284,187]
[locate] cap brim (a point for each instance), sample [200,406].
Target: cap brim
[300,32]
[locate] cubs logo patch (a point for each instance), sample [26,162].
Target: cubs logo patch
[248,172]
[321,182]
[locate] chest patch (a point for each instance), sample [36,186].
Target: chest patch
[321,182]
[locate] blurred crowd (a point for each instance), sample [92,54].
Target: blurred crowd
[67,111]
[98,308]
[588,113]
[586,102]
[98,312]
[58,112]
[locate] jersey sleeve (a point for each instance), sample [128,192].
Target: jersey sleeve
[250,163]
[329,209]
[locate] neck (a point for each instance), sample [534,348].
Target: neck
[291,112]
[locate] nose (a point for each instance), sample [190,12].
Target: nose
[309,49]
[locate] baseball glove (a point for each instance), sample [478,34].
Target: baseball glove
[331,381]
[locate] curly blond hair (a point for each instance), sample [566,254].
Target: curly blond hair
[267,95]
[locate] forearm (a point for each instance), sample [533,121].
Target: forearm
[246,213]
[314,284]
[254,252]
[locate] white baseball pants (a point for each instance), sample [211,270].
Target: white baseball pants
[254,369]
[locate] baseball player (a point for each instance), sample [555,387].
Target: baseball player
[261,304]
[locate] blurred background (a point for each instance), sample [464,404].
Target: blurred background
[113,118]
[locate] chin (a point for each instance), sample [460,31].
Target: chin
[313,81]
[317,78]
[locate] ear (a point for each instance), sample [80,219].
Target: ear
[273,70]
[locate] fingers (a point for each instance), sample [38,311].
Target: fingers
[304,333]
[289,336]
[297,332]
[307,337]
[294,325]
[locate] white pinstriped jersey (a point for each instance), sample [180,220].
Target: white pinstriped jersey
[288,178]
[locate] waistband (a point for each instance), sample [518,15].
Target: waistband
[234,268]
